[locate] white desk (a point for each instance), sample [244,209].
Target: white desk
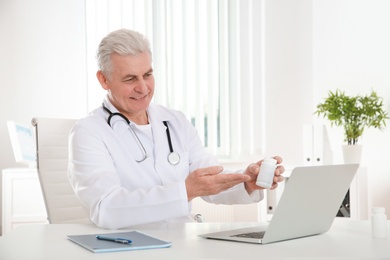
[347,239]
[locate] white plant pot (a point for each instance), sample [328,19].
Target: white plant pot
[352,153]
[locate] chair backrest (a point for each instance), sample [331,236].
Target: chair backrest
[62,205]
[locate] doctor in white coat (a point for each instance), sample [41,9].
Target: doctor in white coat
[134,162]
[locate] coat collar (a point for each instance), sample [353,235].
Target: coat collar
[156,113]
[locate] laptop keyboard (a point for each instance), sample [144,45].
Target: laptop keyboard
[258,235]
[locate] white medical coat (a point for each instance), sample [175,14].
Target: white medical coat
[119,192]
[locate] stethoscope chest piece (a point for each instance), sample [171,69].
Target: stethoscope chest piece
[173,158]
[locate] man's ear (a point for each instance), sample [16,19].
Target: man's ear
[102,79]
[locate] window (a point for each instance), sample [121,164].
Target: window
[207,59]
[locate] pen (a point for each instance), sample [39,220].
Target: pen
[115,239]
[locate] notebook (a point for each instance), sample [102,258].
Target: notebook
[139,241]
[308,206]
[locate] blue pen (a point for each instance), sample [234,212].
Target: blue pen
[115,239]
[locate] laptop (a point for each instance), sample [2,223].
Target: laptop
[309,203]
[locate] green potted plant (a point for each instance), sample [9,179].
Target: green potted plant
[354,114]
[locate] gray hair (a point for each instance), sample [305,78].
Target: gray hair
[123,42]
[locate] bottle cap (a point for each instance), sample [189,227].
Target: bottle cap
[270,160]
[378,210]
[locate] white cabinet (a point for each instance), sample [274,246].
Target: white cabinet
[22,199]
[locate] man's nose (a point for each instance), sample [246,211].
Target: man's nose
[142,86]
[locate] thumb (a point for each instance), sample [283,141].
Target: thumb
[253,169]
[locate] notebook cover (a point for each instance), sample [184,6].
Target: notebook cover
[140,241]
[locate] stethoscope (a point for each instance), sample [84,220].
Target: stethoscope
[173,157]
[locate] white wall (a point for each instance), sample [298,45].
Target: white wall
[288,76]
[42,64]
[313,46]
[351,44]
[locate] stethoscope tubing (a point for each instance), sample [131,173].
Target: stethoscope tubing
[173,157]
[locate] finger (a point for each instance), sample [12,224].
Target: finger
[274,186]
[232,179]
[212,170]
[278,159]
[279,170]
[278,179]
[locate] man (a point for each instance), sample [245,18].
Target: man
[134,162]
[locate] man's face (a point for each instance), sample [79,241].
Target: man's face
[131,83]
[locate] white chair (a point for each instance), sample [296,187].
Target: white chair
[62,205]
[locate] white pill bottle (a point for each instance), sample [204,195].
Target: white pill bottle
[266,173]
[379,222]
